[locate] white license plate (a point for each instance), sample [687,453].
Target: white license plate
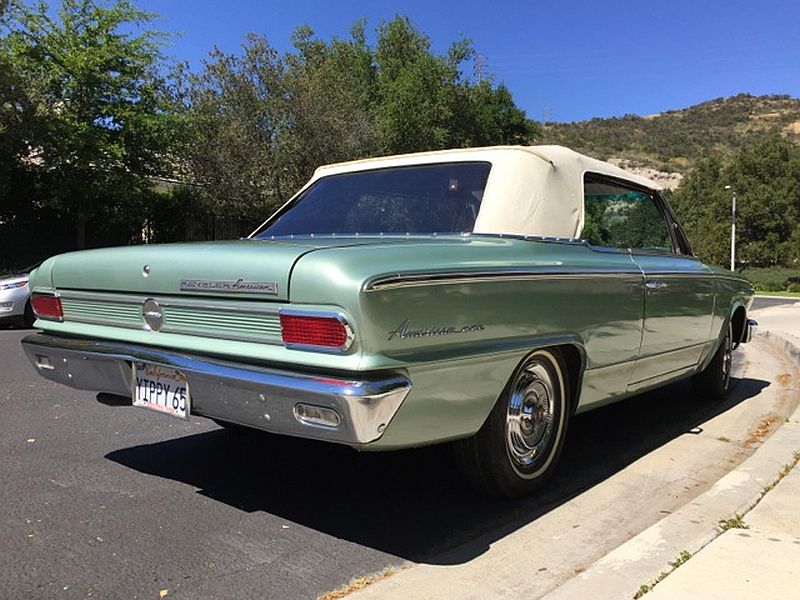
[162,389]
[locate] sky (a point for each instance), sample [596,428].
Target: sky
[563,61]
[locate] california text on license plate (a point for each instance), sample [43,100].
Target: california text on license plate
[160,388]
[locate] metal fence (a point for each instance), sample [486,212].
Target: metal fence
[24,242]
[195,228]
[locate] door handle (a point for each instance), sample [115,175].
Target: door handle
[652,284]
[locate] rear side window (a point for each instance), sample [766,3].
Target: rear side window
[617,216]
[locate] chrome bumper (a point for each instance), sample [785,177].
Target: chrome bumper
[749,330]
[258,397]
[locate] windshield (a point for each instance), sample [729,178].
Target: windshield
[421,199]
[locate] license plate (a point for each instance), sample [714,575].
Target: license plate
[162,389]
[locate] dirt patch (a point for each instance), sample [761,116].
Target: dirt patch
[767,116]
[783,379]
[761,431]
[793,128]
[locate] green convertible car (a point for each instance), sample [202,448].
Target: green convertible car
[481,296]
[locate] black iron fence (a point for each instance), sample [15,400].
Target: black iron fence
[32,238]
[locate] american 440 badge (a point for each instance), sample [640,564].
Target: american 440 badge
[161,389]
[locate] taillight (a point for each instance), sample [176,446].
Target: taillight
[315,331]
[47,307]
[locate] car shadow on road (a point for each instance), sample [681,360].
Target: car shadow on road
[413,504]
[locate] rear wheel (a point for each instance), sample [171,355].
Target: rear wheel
[714,382]
[28,317]
[518,447]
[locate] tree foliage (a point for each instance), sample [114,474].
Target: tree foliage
[86,86]
[259,122]
[765,176]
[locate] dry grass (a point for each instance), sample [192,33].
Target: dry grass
[357,584]
[761,431]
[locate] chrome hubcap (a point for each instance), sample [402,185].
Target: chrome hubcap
[530,417]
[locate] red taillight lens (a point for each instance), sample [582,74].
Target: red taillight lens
[325,332]
[47,307]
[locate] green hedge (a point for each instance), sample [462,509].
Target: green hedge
[774,279]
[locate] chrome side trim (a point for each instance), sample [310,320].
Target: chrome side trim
[680,274]
[250,395]
[525,237]
[417,279]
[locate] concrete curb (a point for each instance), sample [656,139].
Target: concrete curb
[786,342]
[647,556]
[796,299]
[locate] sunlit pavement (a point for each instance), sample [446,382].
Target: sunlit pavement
[113,501]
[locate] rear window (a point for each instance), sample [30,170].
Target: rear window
[422,199]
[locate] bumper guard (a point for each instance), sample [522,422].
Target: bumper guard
[259,397]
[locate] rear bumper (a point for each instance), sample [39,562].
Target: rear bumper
[254,396]
[749,330]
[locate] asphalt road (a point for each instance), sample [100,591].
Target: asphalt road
[761,302]
[117,502]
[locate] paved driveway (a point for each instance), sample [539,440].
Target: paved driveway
[116,502]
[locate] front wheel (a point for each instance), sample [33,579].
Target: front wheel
[518,447]
[714,382]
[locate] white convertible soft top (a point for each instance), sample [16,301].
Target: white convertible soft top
[532,190]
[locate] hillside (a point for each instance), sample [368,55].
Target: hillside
[665,145]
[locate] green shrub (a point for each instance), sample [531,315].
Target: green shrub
[793,287]
[772,277]
[770,286]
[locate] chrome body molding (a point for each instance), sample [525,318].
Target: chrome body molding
[165,301]
[250,395]
[238,286]
[216,320]
[396,280]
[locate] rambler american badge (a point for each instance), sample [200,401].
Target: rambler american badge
[233,285]
[404,332]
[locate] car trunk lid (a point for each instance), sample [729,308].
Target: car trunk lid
[245,269]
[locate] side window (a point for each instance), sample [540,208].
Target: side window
[616,216]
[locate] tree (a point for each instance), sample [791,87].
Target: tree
[233,115]
[99,123]
[259,123]
[765,175]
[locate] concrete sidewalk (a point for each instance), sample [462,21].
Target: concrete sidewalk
[738,539]
[755,552]
[759,555]
[757,558]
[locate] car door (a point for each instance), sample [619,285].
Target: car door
[679,289]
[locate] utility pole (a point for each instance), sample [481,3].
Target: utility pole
[733,228]
[480,67]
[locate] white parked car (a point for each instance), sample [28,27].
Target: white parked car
[15,298]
